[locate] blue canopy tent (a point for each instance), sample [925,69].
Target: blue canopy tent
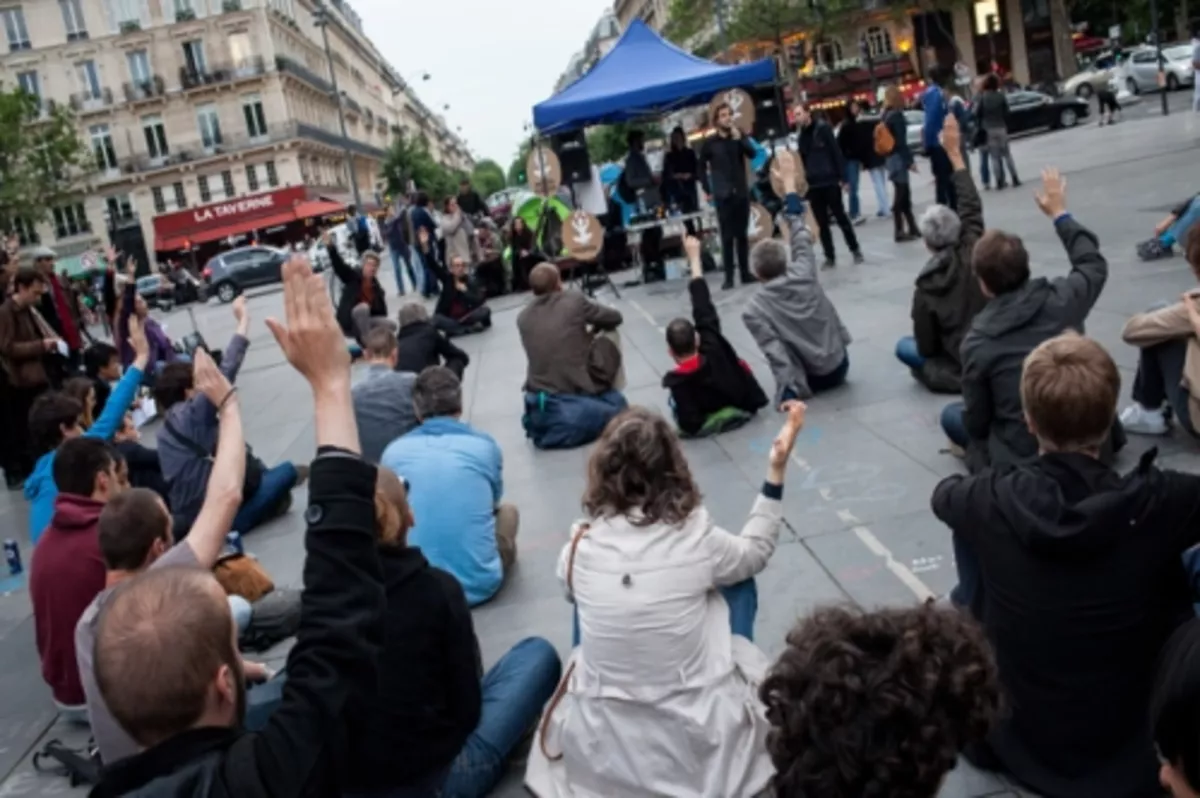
[642,75]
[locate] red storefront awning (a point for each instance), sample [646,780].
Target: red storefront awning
[318,207]
[222,231]
[212,222]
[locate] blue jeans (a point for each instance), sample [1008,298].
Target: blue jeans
[906,352]
[824,382]
[396,262]
[853,170]
[985,174]
[952,423]
[277,482]
[1177,232]
[742,599]
[241,611]
[261,701]
[880,180]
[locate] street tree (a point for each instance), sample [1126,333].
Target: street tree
[610,142]
[487,177]
[409,159]
[42,159]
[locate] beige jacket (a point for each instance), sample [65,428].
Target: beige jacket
[1166,324]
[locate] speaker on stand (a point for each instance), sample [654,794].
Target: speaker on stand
[125,234]
[770,117]
[572,152]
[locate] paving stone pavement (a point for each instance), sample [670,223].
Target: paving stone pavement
[856,504]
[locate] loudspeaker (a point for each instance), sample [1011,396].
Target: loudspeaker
[572,152]
[770,118]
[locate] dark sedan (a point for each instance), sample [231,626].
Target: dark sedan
[230,273]
[1032,110]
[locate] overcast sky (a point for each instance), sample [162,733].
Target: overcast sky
[491,61]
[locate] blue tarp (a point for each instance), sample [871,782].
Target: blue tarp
[642,75]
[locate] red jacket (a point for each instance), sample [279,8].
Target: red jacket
[66,573]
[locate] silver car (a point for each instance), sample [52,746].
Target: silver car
[1140,71]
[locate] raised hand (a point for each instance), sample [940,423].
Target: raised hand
[692,247]
[130,267]
[138,342]
[951,136]
[781,448]
[208,379]
[311,339]
[240,313]
[1052,199]
[327,237]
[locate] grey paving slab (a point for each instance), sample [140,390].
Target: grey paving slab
[856,502]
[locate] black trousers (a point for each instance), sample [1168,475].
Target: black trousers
[826,202]
[16,449]
[1159,371]
[902,209]
[943,180]
[733,215]
[453,328]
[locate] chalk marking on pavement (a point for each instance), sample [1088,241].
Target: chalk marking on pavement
[876,547]
[646,315]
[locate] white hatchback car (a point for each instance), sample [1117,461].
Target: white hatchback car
[1140,71]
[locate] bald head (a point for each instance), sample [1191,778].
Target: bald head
[166,655]
[544,279]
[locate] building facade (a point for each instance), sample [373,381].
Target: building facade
[191,103]
[604,35]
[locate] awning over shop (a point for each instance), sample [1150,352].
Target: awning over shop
[318,207]
[171,243]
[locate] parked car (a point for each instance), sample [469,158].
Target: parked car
[1033,110]
[157,290]
[232,272]
[1140,70]
[1095,74]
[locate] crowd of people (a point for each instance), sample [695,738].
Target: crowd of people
[1066,656]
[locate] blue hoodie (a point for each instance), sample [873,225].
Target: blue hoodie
[40,489]
[933,103]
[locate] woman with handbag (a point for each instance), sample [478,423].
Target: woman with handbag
[188,440]
[659,696]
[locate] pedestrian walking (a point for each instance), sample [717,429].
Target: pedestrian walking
[825,168]
[993,118]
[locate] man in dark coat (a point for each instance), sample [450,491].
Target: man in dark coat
[723,159]
[856,138]
[362,303]
[469,201]
[826,171]
[947,295]
[709,378]
[422,344]
[461,307]
[1082,582]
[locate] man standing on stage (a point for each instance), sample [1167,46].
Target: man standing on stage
[723,159]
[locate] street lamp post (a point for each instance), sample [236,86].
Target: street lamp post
[321,20]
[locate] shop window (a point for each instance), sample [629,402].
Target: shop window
[828,53]
[272,175]
[227,184]
[251,177]
[205,193]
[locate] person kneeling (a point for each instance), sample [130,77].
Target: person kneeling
[947,294]
[462,526]
[432,726]
[712,389]
[1082,582]
[573,378]
[660,698]
[790,317]
[460,308]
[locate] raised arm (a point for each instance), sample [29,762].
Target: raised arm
[224,493]
[125,391]
[704,312]
[342,269]
[970,207]
[235,353]
[735,558]
[803,260]
[1080,289]
[342,606]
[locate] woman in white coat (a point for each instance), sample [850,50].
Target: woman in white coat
[458,233]
[660,695]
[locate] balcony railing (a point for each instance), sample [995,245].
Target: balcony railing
[138,91]
[85,101]
[351,105]
[296,69]
[214,74]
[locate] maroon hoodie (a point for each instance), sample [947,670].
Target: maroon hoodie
[66,573]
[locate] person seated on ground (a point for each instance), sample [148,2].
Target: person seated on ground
[383,397]
[712,389]
[56,417]
[1168,373]
[189,436]
[132,304]
[362,304]
[461,307]
[1172,230]
[911,687]
[102,364]
[134,534]
[1174,721]
[142,462]
[672,637]
[82,391]
[790,317]
[432,727]
[1081,582]
[67,571]
[421,344]
[468,532]
[947,294]
[573,376]
[187,711]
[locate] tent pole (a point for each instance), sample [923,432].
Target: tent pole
[541,225]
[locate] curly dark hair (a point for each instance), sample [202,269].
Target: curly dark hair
[637,465]
[877,704]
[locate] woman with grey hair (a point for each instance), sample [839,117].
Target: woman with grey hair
[947,294]
[422,344]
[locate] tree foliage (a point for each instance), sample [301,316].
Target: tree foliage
[409,159]
[608,142]
[42,158]
[487,177]
[516,169]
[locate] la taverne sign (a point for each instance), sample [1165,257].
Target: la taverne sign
[225,210]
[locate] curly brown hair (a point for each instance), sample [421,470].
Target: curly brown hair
[637,465]
[873,704]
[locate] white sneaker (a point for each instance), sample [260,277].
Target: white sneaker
[857,220]
[1143,421]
